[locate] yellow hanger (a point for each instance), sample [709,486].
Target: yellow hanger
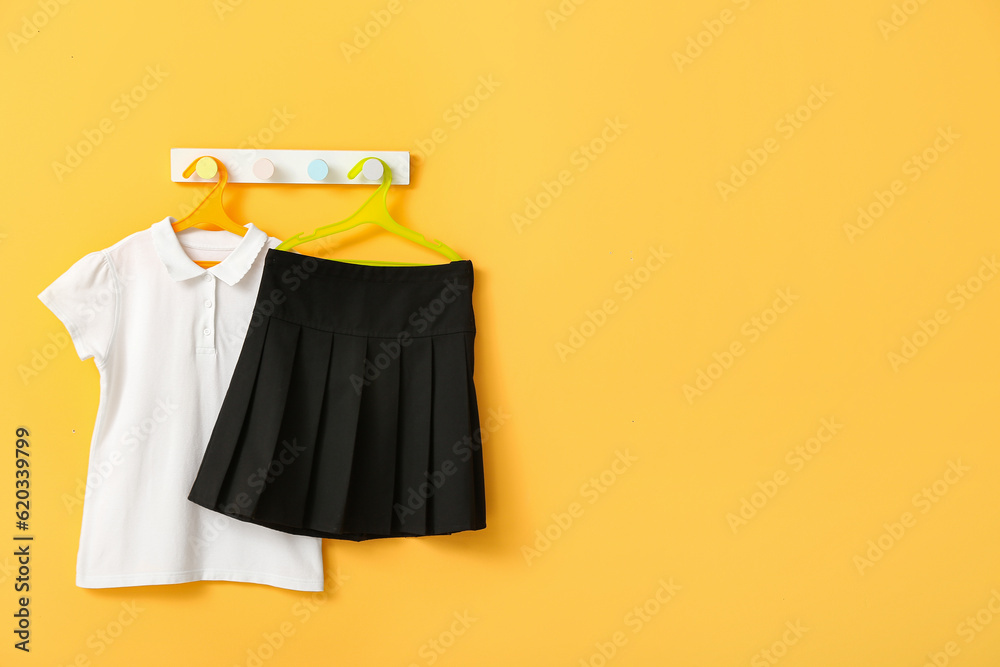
[374,210]
[210,211]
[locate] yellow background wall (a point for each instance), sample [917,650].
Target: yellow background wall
[755,442]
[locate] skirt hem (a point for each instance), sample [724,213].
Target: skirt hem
[334,535]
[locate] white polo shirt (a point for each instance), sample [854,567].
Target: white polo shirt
[165,335]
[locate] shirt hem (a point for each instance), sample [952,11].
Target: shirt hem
[188,576]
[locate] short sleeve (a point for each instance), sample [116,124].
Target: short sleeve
[86,300]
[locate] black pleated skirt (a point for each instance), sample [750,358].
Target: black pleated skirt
[352,411]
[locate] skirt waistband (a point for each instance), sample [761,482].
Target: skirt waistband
[364,300]
[283,259]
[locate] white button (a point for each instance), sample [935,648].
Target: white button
[208,276]
[208,303]
[208,332]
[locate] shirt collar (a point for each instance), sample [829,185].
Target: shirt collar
[181,267]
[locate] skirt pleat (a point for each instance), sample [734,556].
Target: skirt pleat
[454,493]
[373,466]
[476,464]
[287,485]
[331,473]
[414,438]
[260,438]
[229,425]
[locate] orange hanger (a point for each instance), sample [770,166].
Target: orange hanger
[210,211]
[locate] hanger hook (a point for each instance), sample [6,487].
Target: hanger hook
[386,171]
[213,201]
[223,174]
